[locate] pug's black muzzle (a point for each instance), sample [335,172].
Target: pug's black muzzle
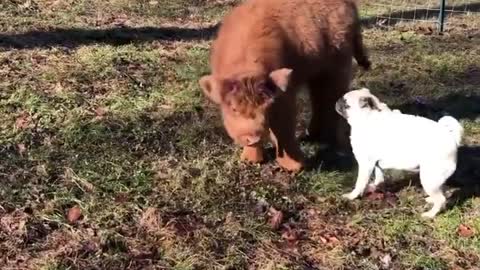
[341,107]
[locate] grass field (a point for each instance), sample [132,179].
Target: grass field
[111,158]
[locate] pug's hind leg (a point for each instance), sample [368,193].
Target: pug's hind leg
[379,179]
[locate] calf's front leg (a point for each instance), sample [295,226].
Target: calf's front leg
[282,134]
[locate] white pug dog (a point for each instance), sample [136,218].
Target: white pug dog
[385,139]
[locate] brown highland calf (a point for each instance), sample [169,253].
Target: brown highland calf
[265,50]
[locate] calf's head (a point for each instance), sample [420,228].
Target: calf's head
[245,100]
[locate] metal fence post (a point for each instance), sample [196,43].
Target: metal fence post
[441,16]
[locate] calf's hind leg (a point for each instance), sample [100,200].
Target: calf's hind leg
[326,125]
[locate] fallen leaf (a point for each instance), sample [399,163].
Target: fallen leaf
[371,189]
[465,231]
[386,261]
[47,141]
[261,207]
[429,32]
[229,218]
[276,218]
[333,240]
[21,148]
[291,236]
[323,239]
[26,5]
[74,214]
[22,121]
[89,247]
[165,106]
[38,59]
[41,170]
[58,87]
[312,212]
[151,219]
[376,196]
[391,198]
[121,197]
[120,20]
[100,112]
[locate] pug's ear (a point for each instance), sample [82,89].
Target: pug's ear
[366,90]
[215,88]
[368,102]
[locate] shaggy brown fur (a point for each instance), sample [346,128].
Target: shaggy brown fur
[264,51]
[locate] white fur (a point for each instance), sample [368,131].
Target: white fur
[385,139]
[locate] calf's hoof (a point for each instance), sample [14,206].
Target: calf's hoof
[290,164]
[252,154]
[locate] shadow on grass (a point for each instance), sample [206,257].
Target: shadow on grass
[456,105]
[328,160]
[465,180]
[75,37]
[467,176]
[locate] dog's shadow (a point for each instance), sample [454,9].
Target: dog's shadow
[465,181]
[330,160]
[467,176]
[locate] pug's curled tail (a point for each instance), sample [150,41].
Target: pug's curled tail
[453,126]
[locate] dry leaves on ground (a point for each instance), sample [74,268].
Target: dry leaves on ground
[74,214]
[465,231]
[276,218]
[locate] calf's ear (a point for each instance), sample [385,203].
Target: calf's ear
[212,87]
[281,78]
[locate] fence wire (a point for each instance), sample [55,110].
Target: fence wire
[387,13]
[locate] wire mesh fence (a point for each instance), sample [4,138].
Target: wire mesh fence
[387,13]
